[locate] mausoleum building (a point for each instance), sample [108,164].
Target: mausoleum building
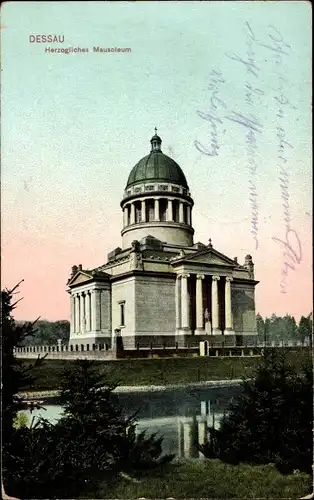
[160,289]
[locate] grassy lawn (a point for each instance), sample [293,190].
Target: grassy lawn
[162,371]
[212,479]
[159,371]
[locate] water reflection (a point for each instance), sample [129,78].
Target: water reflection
[182,417]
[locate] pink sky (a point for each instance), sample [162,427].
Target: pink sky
[74,126]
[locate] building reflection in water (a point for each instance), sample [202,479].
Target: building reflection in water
[182,432]
[182,417]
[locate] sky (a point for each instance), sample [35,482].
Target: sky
[227,84]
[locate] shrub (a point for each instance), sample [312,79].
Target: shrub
[271,421]
[92,442]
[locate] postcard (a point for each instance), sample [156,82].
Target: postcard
[156,194]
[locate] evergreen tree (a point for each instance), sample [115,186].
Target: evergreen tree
[260,328]
[48,332]
[305,328]
[91,444]
[15,376]
[93,441]
[271,421]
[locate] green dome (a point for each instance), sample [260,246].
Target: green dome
[157,167]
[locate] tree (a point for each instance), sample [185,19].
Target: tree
[259,324]
[290,326]
[280,329]
[92,443]
[305,328]
[263,327]
[260,328]
[48,332]
[15,376]
[271,421]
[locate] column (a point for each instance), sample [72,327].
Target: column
[199,305]
[83,319]
[93,310]
[132,221]
[185,316]
[178,302]
[188,215]
[156,209]
[228,311]
[97,310]
[143,211]
[125,216]
[77,314]
[215,306]
[170,211]
[181,214]
[72,313]
[87,312]
[104,323]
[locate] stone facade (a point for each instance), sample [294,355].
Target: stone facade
[160,289]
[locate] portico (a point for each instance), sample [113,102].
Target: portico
[188,316]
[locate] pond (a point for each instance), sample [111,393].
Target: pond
[181,416]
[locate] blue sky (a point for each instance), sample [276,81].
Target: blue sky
[73,126]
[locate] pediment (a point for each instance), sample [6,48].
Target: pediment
[207,257]
[79,278]
[84,276]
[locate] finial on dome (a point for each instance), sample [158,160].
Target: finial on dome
[155,142]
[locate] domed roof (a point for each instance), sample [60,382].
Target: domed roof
[157,167]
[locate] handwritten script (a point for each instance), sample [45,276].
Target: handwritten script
[248,119]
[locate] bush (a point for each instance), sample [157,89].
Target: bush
[271,421]
[93,442]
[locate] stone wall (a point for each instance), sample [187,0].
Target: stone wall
[124,292]
[243,309]
[155,306]
[170,232]
[104,311]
